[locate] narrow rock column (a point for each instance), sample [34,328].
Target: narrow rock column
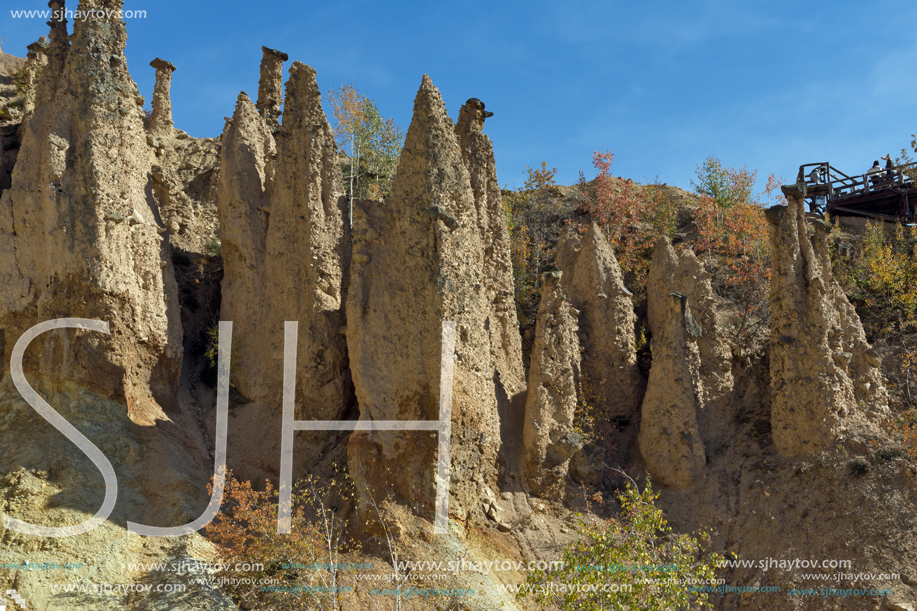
[55,51]
[245,174]
[670,443]
[59,39]
[505,341]
[594,283]
[161,121]
[270,86]
[548,434]
[37,60]
[825,379]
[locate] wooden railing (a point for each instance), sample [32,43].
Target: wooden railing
[835,185]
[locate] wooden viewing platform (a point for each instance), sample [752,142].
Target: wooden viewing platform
[883,194]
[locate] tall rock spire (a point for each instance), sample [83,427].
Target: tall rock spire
[548,434]
[305,246]
[417,262]
[89,230]
[246,170]
[57,51]
[503,326]
[670,441]
[283,241]
[594,283]
[825,379]
[690,399]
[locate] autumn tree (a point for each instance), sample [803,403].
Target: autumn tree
[734,242]
[303,562]
[632,216]
[375,143]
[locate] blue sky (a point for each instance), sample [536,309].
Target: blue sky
[769,85]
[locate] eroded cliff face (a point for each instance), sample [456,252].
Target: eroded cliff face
[825,378]
[99,209]
[13,110]
[419,261]
[184,176]
[184,182]
[79,238]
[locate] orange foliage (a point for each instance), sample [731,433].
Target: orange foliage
[632,216]
[733,232]
[245,532]
[347,108]
[617,208]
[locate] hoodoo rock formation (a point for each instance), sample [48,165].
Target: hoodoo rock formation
[306,265]
[76,222]
[825,378]
[689,400]
[103,219]
[161,117]
[670,440]
[79,238]
[503,325]
[549,438]
[594,284]
[419,261]
[283,233]
[270,86]
[246,169]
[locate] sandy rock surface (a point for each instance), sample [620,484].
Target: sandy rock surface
[825,379]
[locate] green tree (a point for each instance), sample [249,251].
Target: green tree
[631,562]
[531,236]
[375,143]
[726,186]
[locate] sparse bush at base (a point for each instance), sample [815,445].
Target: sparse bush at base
[633,561]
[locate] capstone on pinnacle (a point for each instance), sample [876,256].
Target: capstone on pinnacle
[270,86]
[161,119]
